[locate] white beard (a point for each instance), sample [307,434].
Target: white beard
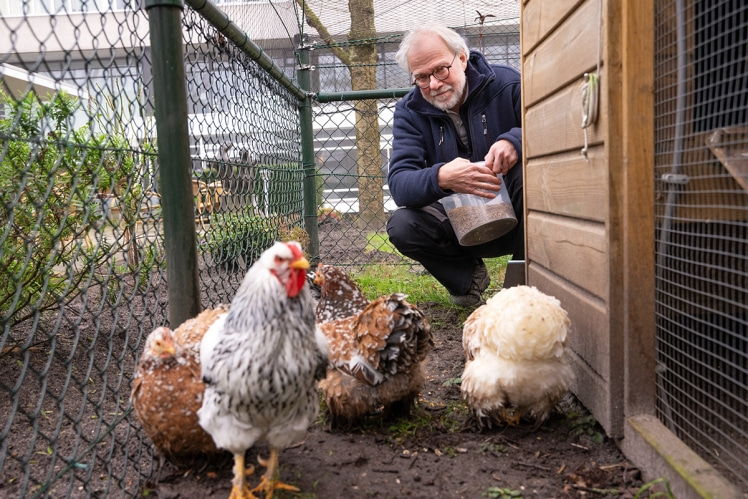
[455,100]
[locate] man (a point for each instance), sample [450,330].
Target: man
[462,110]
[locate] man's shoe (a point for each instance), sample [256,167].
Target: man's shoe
[480,283]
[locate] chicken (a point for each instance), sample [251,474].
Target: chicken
[261,363]
[376,355]
[168,391]
[189,335]
[339,295]
[516,358]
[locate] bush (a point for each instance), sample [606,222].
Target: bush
[238,235]
[207,175]
[52,177]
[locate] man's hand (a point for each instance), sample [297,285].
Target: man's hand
[501,157]
[460,175]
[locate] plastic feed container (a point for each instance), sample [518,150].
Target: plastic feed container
[477,220]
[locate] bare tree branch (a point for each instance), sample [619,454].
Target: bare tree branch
[313,20]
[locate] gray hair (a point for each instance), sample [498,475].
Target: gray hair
[453,39]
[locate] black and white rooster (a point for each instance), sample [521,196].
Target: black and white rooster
[260,364]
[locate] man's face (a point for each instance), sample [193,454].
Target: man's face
[430,53]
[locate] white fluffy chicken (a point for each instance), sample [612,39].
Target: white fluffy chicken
[260,364]
[516,359]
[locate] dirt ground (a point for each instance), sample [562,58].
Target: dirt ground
[435,452]
[438,451]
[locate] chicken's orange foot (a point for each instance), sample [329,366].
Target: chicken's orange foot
[241,493]
[510,417]
[270,483]
[241,489]
[269,486]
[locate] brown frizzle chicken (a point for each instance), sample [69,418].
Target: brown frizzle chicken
[261,363]
[375,356]
[168,390]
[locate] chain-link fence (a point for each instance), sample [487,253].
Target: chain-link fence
[702,228]
[83,273]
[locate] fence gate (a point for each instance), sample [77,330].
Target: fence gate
[701,235]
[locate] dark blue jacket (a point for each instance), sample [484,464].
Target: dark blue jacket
[424,137]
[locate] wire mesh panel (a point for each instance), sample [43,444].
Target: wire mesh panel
[82,261]
[81,248]
[246,158]
[702,227]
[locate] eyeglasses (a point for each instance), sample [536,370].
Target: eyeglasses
[440,73]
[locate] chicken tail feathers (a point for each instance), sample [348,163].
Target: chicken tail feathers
[363,371]
[409,338]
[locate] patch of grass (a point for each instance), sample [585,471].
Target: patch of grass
[322,414]
[379,241]
[492,448]
[378,280]
[668,492]
[452,417]
[452,381]
[585,425]
[409,427]
[421,287]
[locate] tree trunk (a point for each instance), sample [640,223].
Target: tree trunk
[364,77]
[361,59]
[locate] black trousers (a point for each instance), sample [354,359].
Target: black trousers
[426,236]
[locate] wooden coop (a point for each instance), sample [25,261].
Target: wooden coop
[621,167]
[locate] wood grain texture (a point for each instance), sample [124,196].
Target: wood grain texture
[568,184]
[638,259]
[563,57]
[555,124]
[593,391]
[540,17]
[573,249]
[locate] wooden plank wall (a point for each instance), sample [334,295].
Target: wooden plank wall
[589,220]
[571,204]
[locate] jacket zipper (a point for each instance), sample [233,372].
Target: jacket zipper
[441,139]
[485,129]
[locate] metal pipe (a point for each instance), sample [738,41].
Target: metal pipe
[392,93]
[165,22]
[307,151]
[673,180]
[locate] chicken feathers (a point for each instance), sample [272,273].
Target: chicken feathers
[516,359]
[260,364]
[339,297]
[168,391]
[376,355]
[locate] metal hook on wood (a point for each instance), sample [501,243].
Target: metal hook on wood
[590,105]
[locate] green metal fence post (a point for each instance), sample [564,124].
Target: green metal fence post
[165,22]
[308,161]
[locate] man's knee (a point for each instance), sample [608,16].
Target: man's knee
[397,228]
